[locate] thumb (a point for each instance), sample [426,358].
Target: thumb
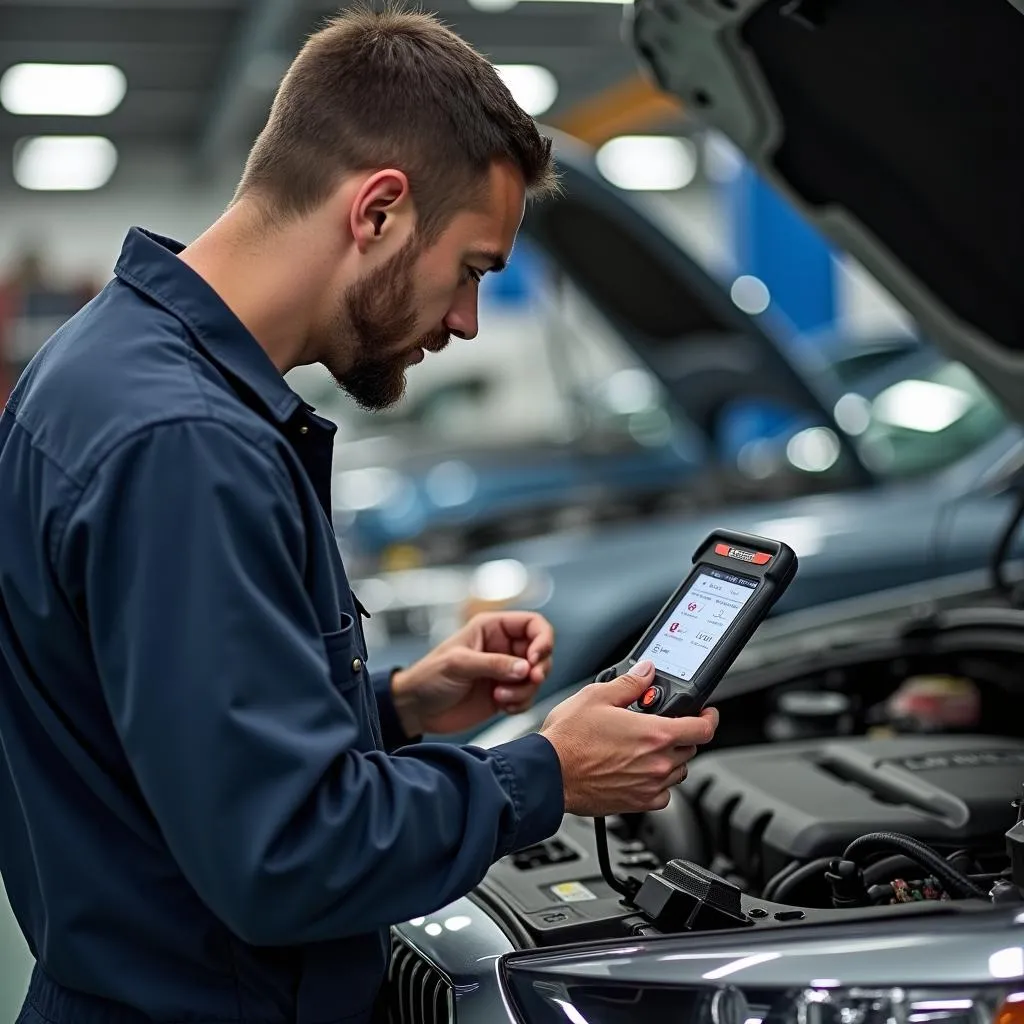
[626,688]
[469,664]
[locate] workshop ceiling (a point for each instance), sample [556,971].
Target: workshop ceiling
[201,73]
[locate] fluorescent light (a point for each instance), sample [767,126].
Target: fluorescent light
[1007,963]
[75,90]
[655,163]
[534,88]
[750,294]
[64,163]
[499,6]
[922,405]
[493,6]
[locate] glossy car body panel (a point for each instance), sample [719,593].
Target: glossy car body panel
[467,954]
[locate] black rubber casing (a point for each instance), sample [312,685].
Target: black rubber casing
[688,696]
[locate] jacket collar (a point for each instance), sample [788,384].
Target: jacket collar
[150,264]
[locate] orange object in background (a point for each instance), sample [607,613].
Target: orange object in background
[632,105]
[1012,1011]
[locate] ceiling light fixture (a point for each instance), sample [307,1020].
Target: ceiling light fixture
[648,163]
[74,90]
[500,6]
[493,6]
[64,163]
[534,88]
[922,405]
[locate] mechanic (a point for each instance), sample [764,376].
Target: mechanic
[209,810]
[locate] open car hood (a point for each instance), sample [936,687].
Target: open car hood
[894,127]
[677,319]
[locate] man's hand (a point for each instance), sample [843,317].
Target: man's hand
[616,761]
[494,663]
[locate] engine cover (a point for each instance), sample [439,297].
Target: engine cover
[764,806]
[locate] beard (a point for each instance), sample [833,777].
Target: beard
[376,313]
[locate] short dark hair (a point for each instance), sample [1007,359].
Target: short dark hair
[392,88]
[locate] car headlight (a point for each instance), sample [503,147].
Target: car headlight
[813,1005]
[905,974]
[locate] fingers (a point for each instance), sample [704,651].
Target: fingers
[623,691]
[517,707]
[675,776]
[542,643]
[515,696]
[469,664]
[684,754]
[659,802]
[693,731]
[526,634]
[540,671]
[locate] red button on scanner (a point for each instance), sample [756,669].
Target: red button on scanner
[651,695]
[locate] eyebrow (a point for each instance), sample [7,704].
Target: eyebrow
[496,260]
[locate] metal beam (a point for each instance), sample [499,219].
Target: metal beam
[258,38]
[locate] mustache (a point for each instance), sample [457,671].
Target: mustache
[435,341]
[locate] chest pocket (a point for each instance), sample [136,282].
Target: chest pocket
[346,657]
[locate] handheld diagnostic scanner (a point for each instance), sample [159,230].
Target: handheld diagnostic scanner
[695,638]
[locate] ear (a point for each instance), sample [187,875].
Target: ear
[381,208]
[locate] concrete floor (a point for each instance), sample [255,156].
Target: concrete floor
[15,963]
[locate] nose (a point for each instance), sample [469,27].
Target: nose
[461,319]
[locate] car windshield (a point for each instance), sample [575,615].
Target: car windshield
[919,415]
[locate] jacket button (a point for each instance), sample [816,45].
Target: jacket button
[303,430]
[357,665]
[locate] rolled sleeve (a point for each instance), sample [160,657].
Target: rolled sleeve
[186,553]
[535,781]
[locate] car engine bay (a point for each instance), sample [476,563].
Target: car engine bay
[869,780]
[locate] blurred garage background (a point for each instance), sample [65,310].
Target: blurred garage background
[139,112]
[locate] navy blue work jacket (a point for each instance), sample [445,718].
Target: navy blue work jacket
[208,812]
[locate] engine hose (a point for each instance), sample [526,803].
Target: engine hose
[768,892]
[925,856]
[883,871]
[816,868]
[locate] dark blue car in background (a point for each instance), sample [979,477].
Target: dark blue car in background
[887,469]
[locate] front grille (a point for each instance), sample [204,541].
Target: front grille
[417,992]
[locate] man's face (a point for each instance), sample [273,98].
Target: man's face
[423,295]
